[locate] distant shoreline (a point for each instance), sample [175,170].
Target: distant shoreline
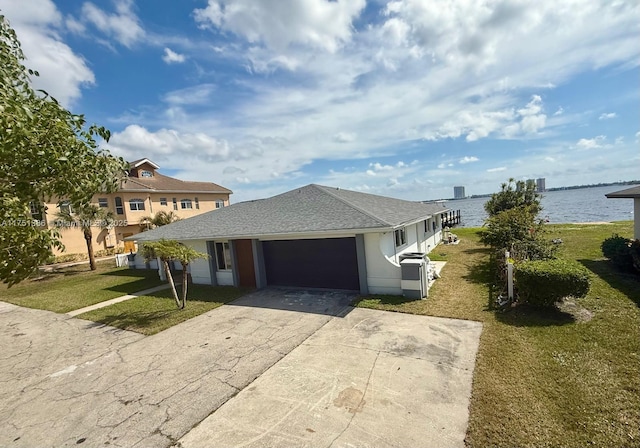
[572,187]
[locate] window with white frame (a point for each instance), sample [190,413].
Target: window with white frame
[146,173]
[186,204]
[163,201]
[223,256]
[197,203]
[136,204]
[175,204]
[400,237]
[103,202]
[219,204]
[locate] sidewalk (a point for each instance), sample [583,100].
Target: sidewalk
[118,299]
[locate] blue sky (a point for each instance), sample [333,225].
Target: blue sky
[404,98]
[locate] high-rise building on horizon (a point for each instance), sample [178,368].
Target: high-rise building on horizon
[541,185]
[458,192]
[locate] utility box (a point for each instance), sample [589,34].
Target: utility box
[414,277]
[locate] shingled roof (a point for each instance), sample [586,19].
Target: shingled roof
[305,210]
[633,192]
[160,182]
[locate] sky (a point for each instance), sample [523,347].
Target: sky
[403,98]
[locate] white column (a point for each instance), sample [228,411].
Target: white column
[636,218]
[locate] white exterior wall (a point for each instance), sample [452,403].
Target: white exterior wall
[383,273]
[636,218]
[383,258]
[431,239]
[224,278]
[199,268]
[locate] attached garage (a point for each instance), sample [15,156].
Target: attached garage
[312,263]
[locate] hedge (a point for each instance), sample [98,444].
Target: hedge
[623,252]
[544,282]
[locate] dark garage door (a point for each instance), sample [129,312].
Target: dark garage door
[319,263]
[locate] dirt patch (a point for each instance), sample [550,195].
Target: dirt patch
[579,313]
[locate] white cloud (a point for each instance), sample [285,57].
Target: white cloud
[467,159]
[393,79]
[199,94]
[171,57]
[280,23]
[637,136]
[506,123]
[123,25]
[136,141]
[607,116]
[497,169]
[344,137]
[591,143]
[38,25]
[560,111]
[379,167]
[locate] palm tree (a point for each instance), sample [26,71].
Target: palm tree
[168,250]
[85,216]
[161,218]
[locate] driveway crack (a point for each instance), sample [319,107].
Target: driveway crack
[364,394]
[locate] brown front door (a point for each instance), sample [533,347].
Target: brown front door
[246,269]
[128,245]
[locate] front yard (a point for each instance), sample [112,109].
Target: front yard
[542,378]
[75,287]
[156,312]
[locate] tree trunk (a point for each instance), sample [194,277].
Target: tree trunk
[88,237]
[184,285]
[170,279]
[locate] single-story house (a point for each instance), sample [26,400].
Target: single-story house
[631,193]
[314,236]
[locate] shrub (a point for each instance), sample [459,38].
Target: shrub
[634,250]
[544,282]
[619,250]
[67,258]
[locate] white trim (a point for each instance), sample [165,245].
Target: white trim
[143,161]
[281,236]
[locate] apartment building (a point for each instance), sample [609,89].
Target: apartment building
[142,194]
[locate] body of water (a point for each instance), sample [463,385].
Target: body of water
[564,206]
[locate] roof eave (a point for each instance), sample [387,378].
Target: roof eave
[422,218]
[274,235]
[155,190]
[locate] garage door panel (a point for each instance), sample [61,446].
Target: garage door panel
[314,263]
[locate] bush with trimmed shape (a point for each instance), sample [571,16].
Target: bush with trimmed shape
[620,251]
[541,283]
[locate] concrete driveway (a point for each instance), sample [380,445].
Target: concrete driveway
[326,374]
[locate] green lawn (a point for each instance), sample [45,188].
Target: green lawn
[76,287]
[154,313]
[545,379]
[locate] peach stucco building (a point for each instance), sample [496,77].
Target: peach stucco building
[144,193]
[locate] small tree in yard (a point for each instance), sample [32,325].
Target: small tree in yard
[45,151]
[169,250]
[514,194]
[85,216]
